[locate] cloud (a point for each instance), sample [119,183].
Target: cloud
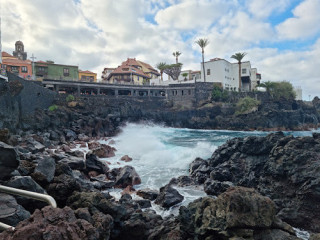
[192,14]
[304,24]
[263,9]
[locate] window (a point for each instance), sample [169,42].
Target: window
[41,69]
[14,69]
[66,72]
[24,69]
[244,70]
[208,71]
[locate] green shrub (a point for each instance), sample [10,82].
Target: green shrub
[70,98]
[53,108]
[246,104]
[218,94]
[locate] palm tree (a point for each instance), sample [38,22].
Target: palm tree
[203,42]
[176,54]
[161,66]
[238,57]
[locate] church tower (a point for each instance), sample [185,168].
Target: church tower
[19,52]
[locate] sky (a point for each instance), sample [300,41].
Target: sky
[281,37]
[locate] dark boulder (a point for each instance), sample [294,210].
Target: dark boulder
[11,212]
[237,213]
[101,150]
[148,194]
[75,163]
[44,171]
[215,188]
[127,177]
[94,164]
[9,160]
[168,197]
[27,183]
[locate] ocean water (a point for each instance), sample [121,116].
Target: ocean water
[160,153]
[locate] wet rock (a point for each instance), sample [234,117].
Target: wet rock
[34,146]
[70,135]
[215,188]
[75,163]
[168,197]
[148,194]
[77,153]
[44,171]
[127,177]
[11,213]
[102,150]
[9,160]
[84,138]
[4,135]
[126,158]
[94,164]
[143,203]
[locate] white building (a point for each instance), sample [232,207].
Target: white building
[226,74]
[298,91]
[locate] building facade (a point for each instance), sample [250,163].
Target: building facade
[22,68]
[226,74]
[105,73]
[87,76]
[50,70]
[133,71]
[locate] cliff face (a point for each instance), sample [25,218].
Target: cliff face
[20,100]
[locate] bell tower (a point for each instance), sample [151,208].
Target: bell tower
[19,51]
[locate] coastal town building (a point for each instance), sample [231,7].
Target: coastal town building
[189,75]
[87,76]
[105,73]
[133,71]
[51,70]
[20,67]
[226,74]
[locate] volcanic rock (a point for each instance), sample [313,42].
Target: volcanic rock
[44,172]
[168,197]
[127,177]
[9,160]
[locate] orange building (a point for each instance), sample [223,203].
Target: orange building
[23,68]
[87,76]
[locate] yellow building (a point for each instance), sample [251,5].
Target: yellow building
[133,72]
[87,76]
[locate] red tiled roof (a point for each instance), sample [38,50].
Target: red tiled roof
[86,71]
[5,54]
[15,62]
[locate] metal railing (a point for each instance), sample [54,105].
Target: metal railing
[33,195]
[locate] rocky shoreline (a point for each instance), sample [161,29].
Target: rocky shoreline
[263,184]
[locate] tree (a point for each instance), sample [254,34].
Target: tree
[203,42]
[176,54]
[267,85]
[185,75]
[218,94]
[279,90]
[239,56]
[161,66]
[173,70]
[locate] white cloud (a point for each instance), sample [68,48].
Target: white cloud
[305,22]
[263,9]
[96,33]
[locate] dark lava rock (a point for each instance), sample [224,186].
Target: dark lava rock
[9,160]
[59,224]
[27,183]
[11,212]
[168,197]
[282,167]
[94,164]
[101,150]
[26,168]
[148,194]
[44,172]
[143,203]
[76,163]
[213,187]
[238,213]
[127,177]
